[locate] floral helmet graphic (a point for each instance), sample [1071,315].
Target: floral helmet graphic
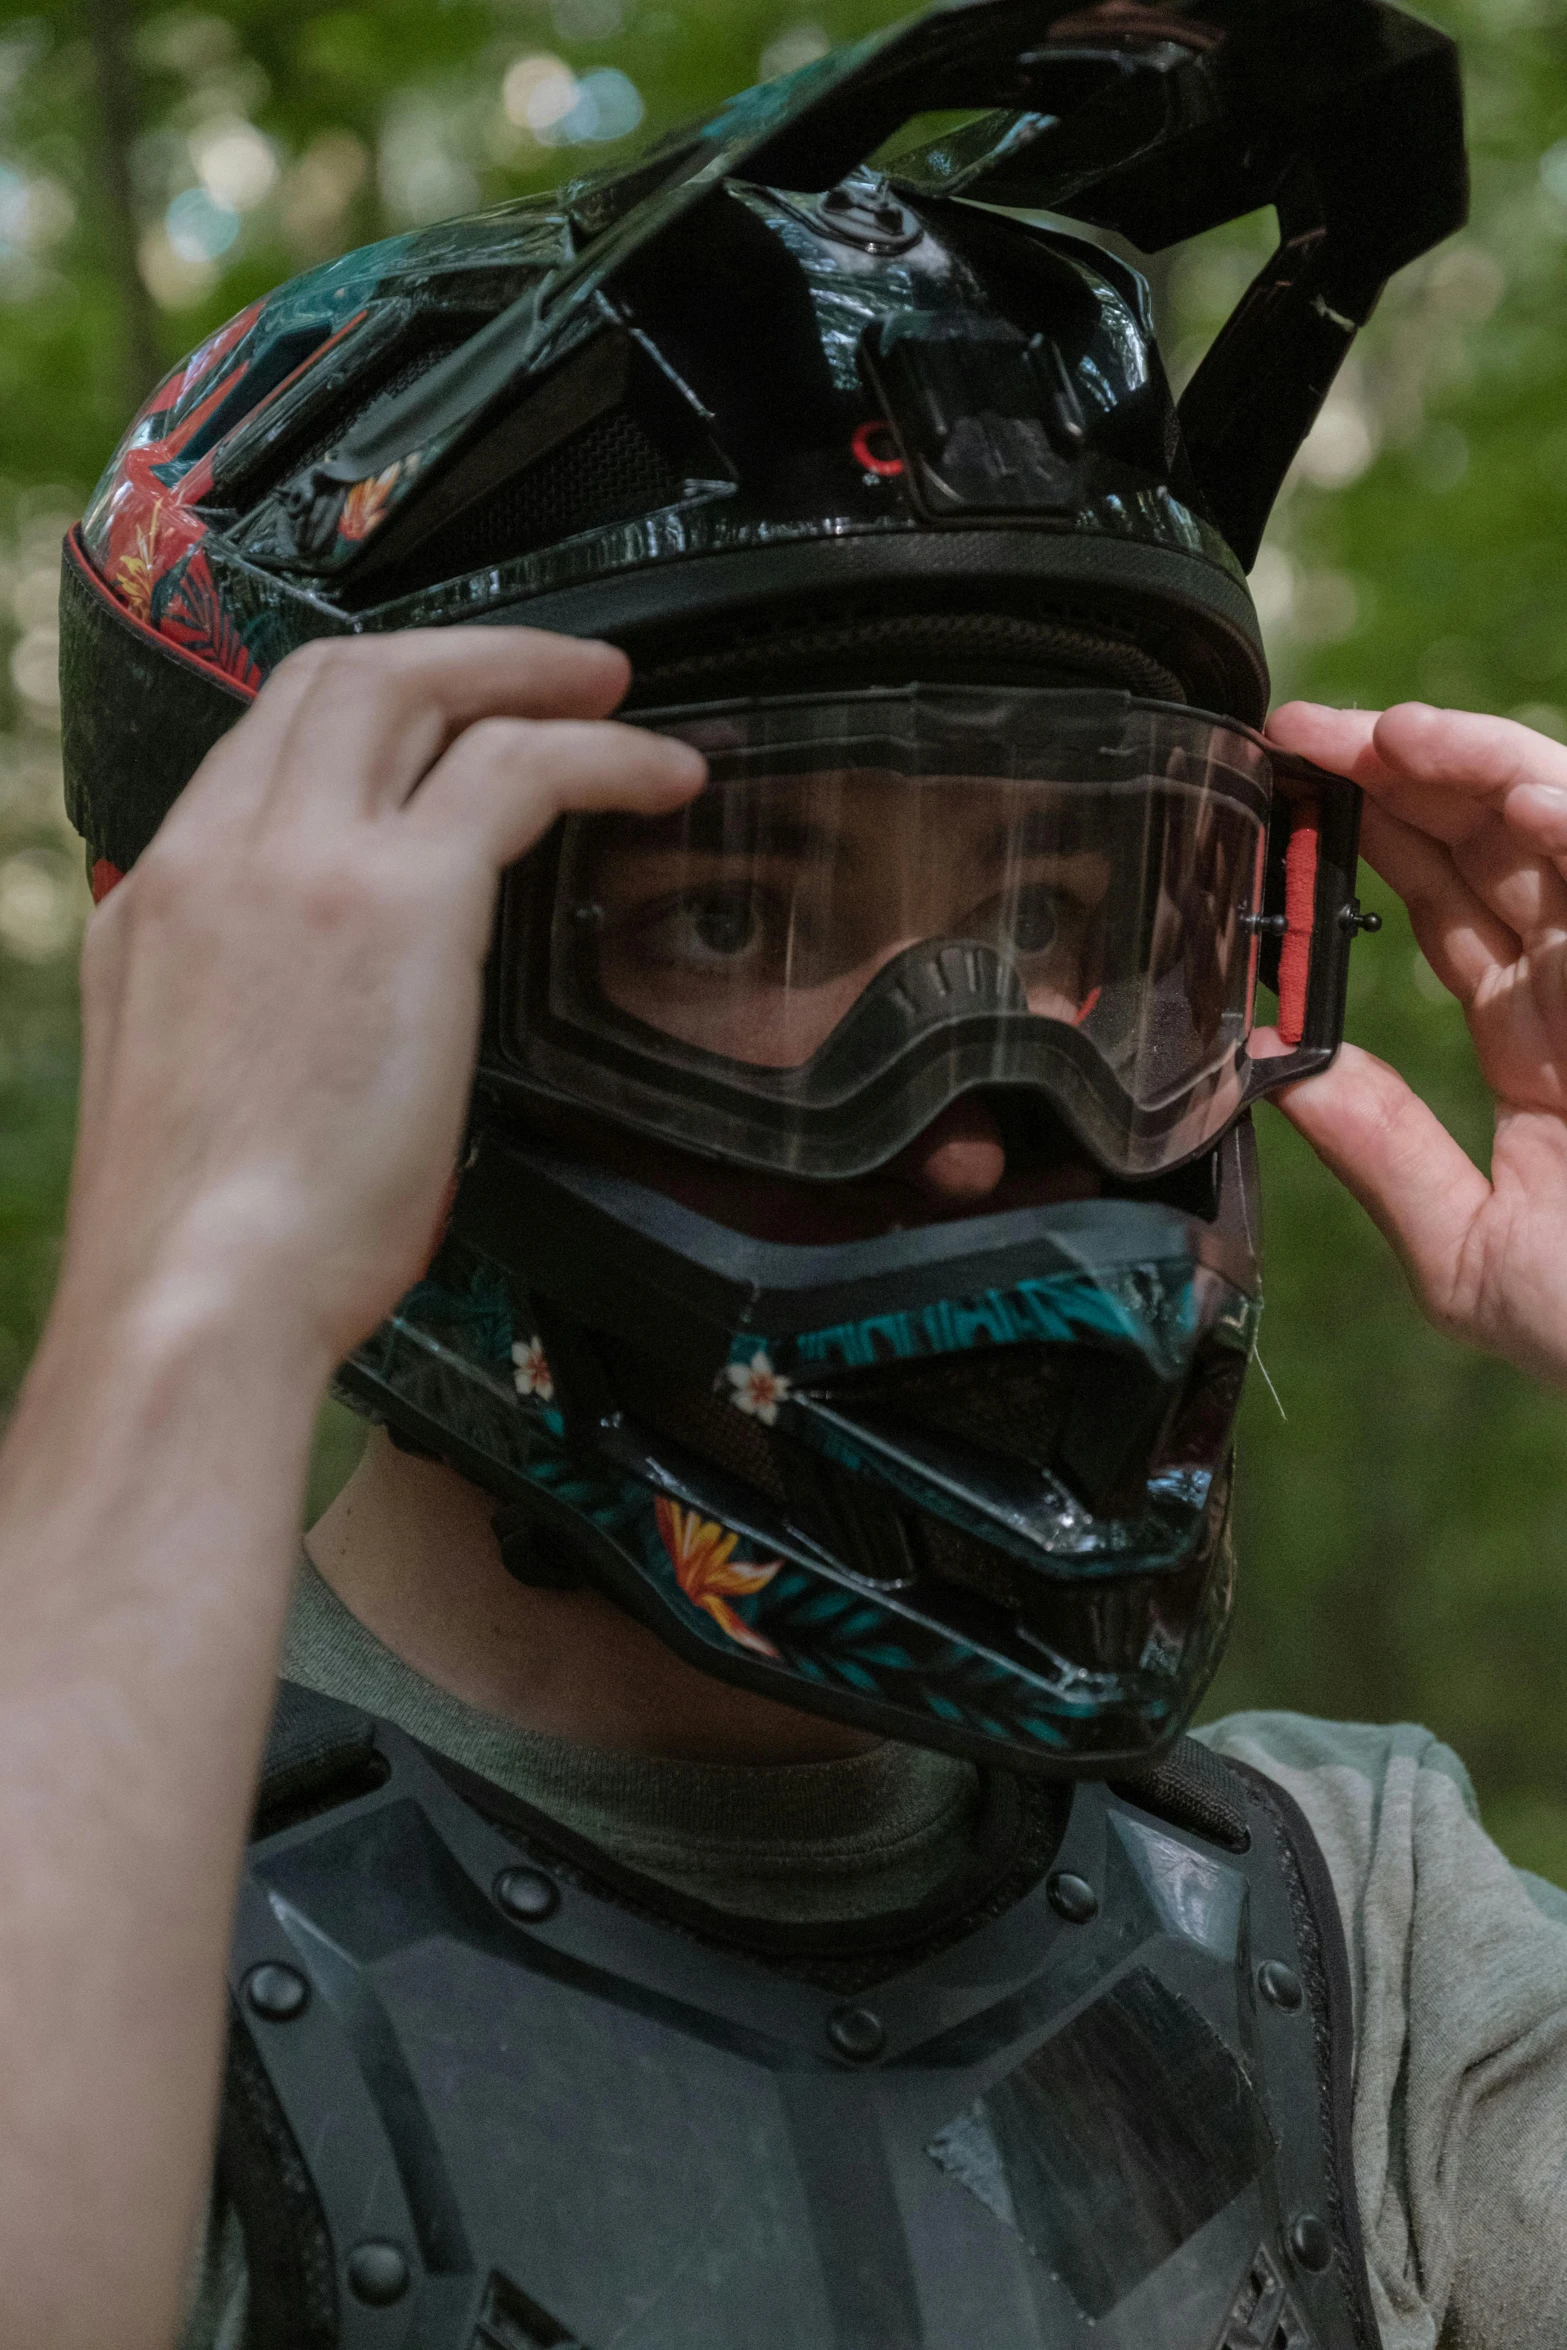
[883,489]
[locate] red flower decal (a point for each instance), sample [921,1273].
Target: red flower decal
[192,616]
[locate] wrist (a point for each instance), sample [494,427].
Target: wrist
[232,1280]
[148,1345]
[158,1451]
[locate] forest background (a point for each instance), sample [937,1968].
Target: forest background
[1403,1511]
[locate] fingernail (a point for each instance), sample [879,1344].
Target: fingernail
[1540,806]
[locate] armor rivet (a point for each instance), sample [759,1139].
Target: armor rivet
[1310,2243]
[1072,1898]
[855,2032]
[527,1895]
[378,2274]
[278,1993]
[1279,1984]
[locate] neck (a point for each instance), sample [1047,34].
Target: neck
[408,1549]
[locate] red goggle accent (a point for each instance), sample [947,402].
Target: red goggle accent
[1300,914]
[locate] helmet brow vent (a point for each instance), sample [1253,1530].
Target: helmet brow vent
[251,473]
[609,437]
[611,470]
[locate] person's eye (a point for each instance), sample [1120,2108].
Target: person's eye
[708,928]
[1032,920]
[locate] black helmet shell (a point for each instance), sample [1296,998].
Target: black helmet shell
[750,395]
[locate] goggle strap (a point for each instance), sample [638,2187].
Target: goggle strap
[1300,913]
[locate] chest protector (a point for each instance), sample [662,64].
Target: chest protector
[488,2091]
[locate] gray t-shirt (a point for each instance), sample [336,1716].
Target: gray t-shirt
[1459,1961]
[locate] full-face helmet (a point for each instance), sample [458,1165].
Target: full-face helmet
[860,443]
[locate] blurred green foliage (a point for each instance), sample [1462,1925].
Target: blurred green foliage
[1403,1504]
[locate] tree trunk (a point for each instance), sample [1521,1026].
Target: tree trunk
[107,23]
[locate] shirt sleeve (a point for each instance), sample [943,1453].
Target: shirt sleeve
[1459,1963]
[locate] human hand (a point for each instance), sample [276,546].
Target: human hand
[281,1000]
[1466,818]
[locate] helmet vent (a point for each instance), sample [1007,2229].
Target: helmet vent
[1011,1401]
[962,1559]
[318,436]
[1091,1417]
[955,1578]
[1110,1628]
[695,1418]
[608,471]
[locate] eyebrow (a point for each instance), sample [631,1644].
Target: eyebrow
[1042,832]
[713,829]
[725,824]
[767,829]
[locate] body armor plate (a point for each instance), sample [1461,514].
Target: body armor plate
[482,2097]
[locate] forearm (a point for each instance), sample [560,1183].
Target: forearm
[149,1509]
[280,1005]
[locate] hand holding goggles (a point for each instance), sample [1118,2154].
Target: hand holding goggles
[884,899]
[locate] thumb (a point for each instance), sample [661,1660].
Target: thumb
[1392,1152]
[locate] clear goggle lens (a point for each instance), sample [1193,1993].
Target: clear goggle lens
[880,901]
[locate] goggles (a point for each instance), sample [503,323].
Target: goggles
[884,899]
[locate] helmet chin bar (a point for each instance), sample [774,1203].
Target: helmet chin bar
[966,1485]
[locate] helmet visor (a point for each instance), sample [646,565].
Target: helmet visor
[882,900]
